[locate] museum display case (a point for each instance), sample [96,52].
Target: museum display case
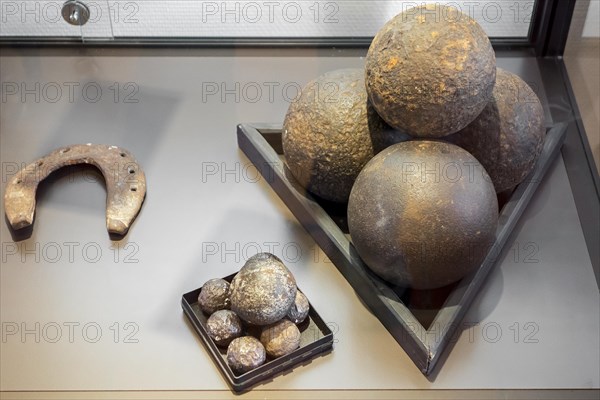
[154,142]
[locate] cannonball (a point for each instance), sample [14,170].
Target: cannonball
[223,326]
[214,296]
[331,131]
[263,291]
[299,310]
[245,353]
[423,214]
[508,136]
[281,338]
[430,71]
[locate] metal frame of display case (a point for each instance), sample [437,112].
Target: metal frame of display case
[547,36]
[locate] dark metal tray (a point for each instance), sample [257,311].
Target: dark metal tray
[316,339]
[422,322]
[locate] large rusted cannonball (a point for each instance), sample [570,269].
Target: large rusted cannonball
[430,71]
[263,291]
[423,214]
[508,136]
[331,131]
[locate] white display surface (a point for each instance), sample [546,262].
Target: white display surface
[534,324]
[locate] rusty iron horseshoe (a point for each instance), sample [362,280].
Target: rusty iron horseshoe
[125,184]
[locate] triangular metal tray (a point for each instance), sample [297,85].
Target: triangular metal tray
[325,222]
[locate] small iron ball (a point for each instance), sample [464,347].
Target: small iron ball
[214,296]
[430,71]
[331,131]
[281,338]
[263,291]
[299,310]
[423,214]
[223,326]
[245,353]
[508,136]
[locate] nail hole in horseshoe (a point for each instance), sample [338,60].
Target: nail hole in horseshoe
[19,182]
[123,154]
[40,163]
[133,189]
[66,150]
[132,171]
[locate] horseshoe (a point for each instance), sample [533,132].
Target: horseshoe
[125,184]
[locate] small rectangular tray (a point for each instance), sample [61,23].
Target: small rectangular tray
[316,339]
[425,336]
